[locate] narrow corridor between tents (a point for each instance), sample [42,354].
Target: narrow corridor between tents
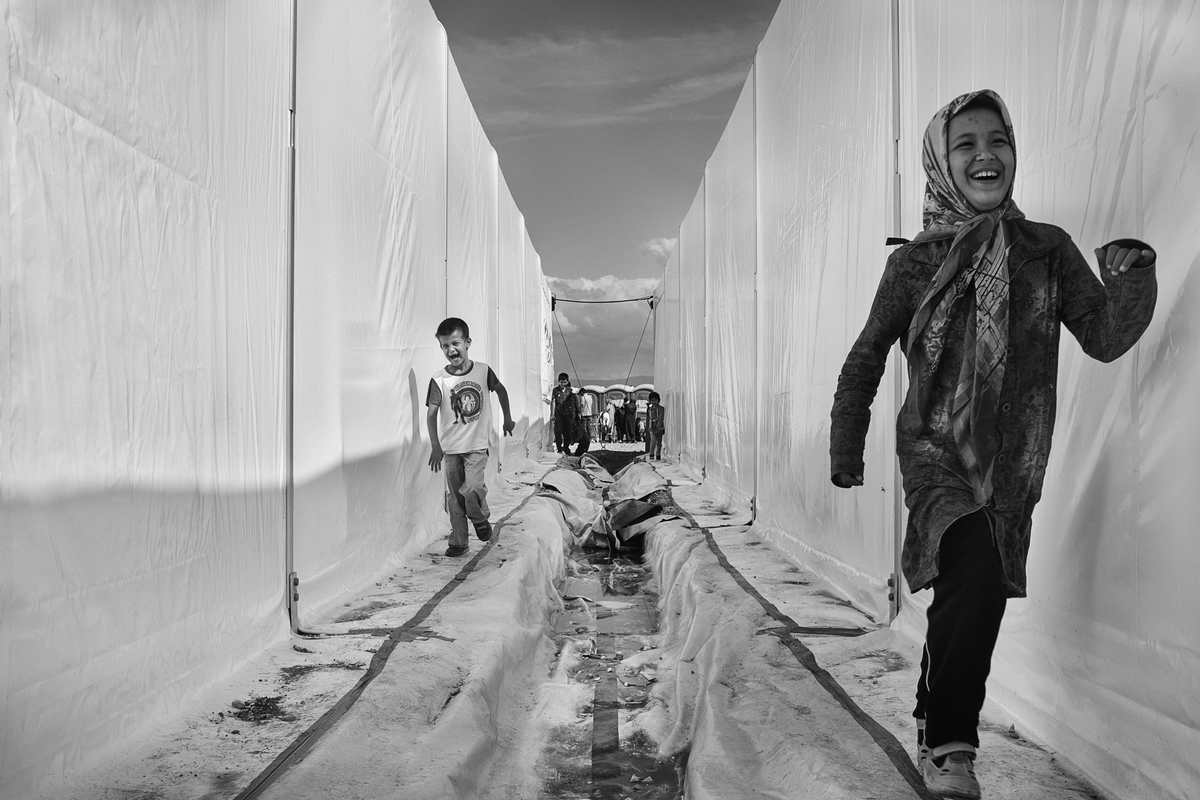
[228,232]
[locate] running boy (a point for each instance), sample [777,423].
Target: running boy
[655,425]
[976,301]
[459,417]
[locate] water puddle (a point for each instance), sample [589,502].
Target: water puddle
[599,755]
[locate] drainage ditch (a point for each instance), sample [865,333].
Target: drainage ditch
[609,614]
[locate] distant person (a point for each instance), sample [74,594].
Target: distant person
[977,301]
[587,412]
[561,396]
[581,438]
[606,421]
[631,418]
[568,421]
[655,426]
[459,418]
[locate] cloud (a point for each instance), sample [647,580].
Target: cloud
[564,323]
[692,90]
[660,249]
[610,287]
[530,84]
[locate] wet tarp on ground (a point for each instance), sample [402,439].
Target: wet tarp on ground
[499,691]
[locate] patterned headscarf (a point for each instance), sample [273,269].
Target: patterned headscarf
[978,261]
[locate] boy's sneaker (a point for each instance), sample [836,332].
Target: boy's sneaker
[455,550]
[949,771]
[483,531]
[922,748]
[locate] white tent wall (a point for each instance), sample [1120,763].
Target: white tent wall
[513,333]
[825,188]
[371,242]
[537,300]
[546,441]
[693,389]
[1102,661]
[530,342]
[665,348]
[472,244]
[668,356]
[143,283]
[472,241]
[144,369]
[403,218]
[731,212]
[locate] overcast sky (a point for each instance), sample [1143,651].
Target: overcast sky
[603,113]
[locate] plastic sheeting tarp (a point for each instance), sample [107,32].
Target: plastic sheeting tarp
[371,206]
[668,360]
[511,361]
[1103,660]
[693,384]
[403,218]
[147,390]
[143,289]
[730,231]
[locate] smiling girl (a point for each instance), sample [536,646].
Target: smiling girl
[976,301]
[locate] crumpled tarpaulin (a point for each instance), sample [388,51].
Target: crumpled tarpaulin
[604,517]
[636,480]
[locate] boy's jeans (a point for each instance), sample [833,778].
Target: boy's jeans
[466,492]
[654,444]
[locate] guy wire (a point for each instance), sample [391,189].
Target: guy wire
[563,336]
[645,325]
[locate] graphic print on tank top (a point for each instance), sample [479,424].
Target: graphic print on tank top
[466,398]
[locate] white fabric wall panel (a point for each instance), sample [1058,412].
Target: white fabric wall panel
[730,229]
[531,343]
[471,238]
[1102,659]
[824,170]
[693,401]
[671,342]
[547,361]
[666,347]
[142,283]
[370,285]
[471,248]
[533,340]
[510,360]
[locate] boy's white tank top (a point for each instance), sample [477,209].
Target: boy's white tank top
[465,416]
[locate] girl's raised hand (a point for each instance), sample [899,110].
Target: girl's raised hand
[847,480]
[1117,259]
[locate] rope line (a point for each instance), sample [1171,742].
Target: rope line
[639,345]
[563,336]
[558,299]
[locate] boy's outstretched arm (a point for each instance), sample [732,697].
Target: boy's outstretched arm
[431,422]
[502,396]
